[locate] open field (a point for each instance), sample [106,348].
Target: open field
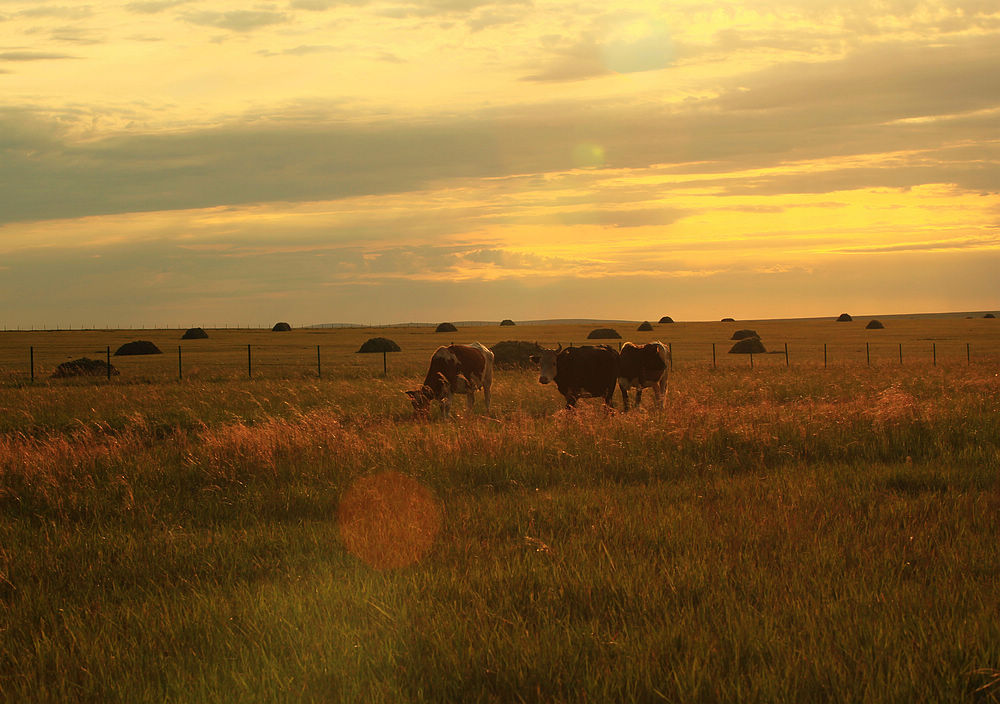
[778,533]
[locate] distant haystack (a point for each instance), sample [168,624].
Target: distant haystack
[645,327]
[728,320]
[844,318]
[874,325]
[83,367]
[514,353]
[446,327]
[281,327]
[506,323]
[666,319]
[604,334]
[195,334]
[137,347]
[379,344]
[989,315]
[744,334]
[748,345]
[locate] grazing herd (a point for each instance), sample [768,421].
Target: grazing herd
[578,372]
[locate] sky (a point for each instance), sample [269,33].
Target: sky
[200,162]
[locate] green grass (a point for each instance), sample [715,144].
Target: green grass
[774,534]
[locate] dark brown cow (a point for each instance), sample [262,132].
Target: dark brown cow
[455,369]
[580,372]
[644,367]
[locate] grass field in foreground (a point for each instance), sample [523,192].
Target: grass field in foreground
[800,534]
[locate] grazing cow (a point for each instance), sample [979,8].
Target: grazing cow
[644,367]
[580,371]
[455,369]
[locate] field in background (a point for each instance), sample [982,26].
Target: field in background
[775,534]
[294,354]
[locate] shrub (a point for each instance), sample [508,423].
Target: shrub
[604,334]
[379,344]
[514,353]
[748,345]
[137,347]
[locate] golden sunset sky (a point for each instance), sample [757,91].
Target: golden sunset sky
[172,162]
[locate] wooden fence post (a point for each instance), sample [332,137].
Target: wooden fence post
[786,354]
[868,354]
[934,352]
[824,355]
[713,355]
[900,354]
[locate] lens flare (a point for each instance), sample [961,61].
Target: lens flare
[388,520]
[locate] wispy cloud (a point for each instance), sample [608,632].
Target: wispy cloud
[238,20]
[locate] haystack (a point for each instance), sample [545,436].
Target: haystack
[83,367]
[195,334]
[728,320]
[514,353]
[844,318]
[874,325]
[446,327]
[379,344]
[645,327]
[281,327]
[989,315]
[506,323]
[666,319]
[604,334]
[748,345]
[137,347]
[744,334]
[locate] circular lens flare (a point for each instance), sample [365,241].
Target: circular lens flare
[388,520]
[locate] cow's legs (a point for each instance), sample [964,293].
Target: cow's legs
[624,389]
[638,396]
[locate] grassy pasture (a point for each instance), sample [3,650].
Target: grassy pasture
[775,534]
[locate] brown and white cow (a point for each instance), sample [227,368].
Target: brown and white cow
[644,367]
[580,371]
[455,369]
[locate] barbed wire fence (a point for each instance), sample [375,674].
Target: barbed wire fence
[277,361]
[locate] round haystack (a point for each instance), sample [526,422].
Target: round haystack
[874,325]
[844,318]
[514,353]
[728,320]
[645,327]
[281,327]
[666,319]
[195,334]
[379,344]
[137,347]
[83,367]
[445,327]
[744,334]
[748,345]
[604,334]
[990,315]
[506,323]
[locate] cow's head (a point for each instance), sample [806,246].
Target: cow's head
[546,361]
[421,399]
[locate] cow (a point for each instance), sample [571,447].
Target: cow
[455,369]
[644,367]
[580,371]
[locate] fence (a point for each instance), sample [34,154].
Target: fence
[249,361]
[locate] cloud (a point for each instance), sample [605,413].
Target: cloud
[150,7]
[238,20]
[32,56]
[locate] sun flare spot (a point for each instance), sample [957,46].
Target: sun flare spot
[388,520]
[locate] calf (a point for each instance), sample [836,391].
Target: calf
[644,367]
[580,371]
[455,369]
